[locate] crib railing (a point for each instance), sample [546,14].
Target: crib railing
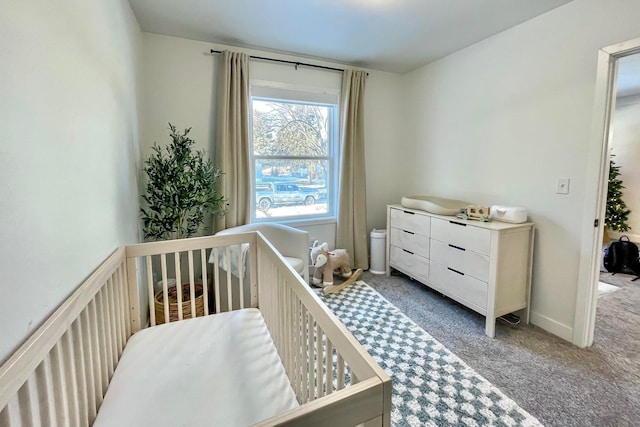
[61,373]
[211,263]
[326,366]
[58,377]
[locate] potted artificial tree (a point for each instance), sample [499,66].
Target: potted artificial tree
[617,212]
[180,195]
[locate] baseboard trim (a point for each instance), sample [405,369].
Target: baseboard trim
[556,328]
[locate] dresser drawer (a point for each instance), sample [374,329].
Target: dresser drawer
[410,264]
[466,261]
[410,221]
[461,235]
[461,287]
[416,243]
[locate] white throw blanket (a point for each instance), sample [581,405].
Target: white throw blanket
[230,258]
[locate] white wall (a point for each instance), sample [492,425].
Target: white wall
[68,150]
[625,144]
[179,85]
[500,121]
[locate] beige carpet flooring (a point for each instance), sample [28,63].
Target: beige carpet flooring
[558,383]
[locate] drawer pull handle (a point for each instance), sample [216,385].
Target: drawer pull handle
[408,232]
[410,213]
[456,247]
[457,223]
[409,252]
[455,271]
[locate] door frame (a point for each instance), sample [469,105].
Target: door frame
[597,179]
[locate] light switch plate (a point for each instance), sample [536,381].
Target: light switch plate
[562,186]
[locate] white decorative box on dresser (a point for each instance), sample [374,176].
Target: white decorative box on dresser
[485,266]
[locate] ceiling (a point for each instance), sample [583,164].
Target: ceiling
[387,35]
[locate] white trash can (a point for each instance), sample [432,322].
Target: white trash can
[378,252]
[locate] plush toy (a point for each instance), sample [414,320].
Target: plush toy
[327,263]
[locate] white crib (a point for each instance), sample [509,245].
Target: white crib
[61,374]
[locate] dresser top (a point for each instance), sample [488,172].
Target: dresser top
[491,225]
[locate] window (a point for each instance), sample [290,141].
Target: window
[293,152]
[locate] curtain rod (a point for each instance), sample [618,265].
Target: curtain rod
[296,63]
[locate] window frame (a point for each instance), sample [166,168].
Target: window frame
[288,95]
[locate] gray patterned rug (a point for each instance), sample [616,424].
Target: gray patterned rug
[431,385]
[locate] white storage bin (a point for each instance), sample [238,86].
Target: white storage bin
[378,252]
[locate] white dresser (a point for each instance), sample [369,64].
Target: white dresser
[484,265]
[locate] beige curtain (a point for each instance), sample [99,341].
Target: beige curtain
[352,205]
[232,138]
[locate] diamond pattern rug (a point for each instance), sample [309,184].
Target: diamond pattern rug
[431,385]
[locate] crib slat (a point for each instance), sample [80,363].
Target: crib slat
[151,290]
[205,281]
[304,353]
[77,352]
[111,325]
[120,310]
[241,276]
[192,286]
[125,306]
[329,371]
[104,319]
[134,313]
[102,341]
[58,383]
[28,414]
[319,364]
[165,290]
[280,314]
[295,344]
[37,390]
[46,395]
[301,342]
[94,361]
[69,370]
[5,417]
[229,289]
[275,313]
[88,365]
[253,270]
[340,372]
[216,281]
[289,339]
[285,331]
[117,316]
[312,380]
[176,263]
[97,354]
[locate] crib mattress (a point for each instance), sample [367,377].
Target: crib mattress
[220,370]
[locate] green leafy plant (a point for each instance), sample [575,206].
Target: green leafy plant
[180,190]
[617,213]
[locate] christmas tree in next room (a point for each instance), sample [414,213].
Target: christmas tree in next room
[617,213]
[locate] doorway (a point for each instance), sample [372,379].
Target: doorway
[600,145]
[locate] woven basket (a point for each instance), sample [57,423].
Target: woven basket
[173,303]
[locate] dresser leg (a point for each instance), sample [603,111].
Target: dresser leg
[490,327]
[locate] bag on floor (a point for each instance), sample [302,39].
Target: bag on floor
[622,256]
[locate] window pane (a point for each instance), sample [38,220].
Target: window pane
[283,128]
[293,148]
[291,188]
